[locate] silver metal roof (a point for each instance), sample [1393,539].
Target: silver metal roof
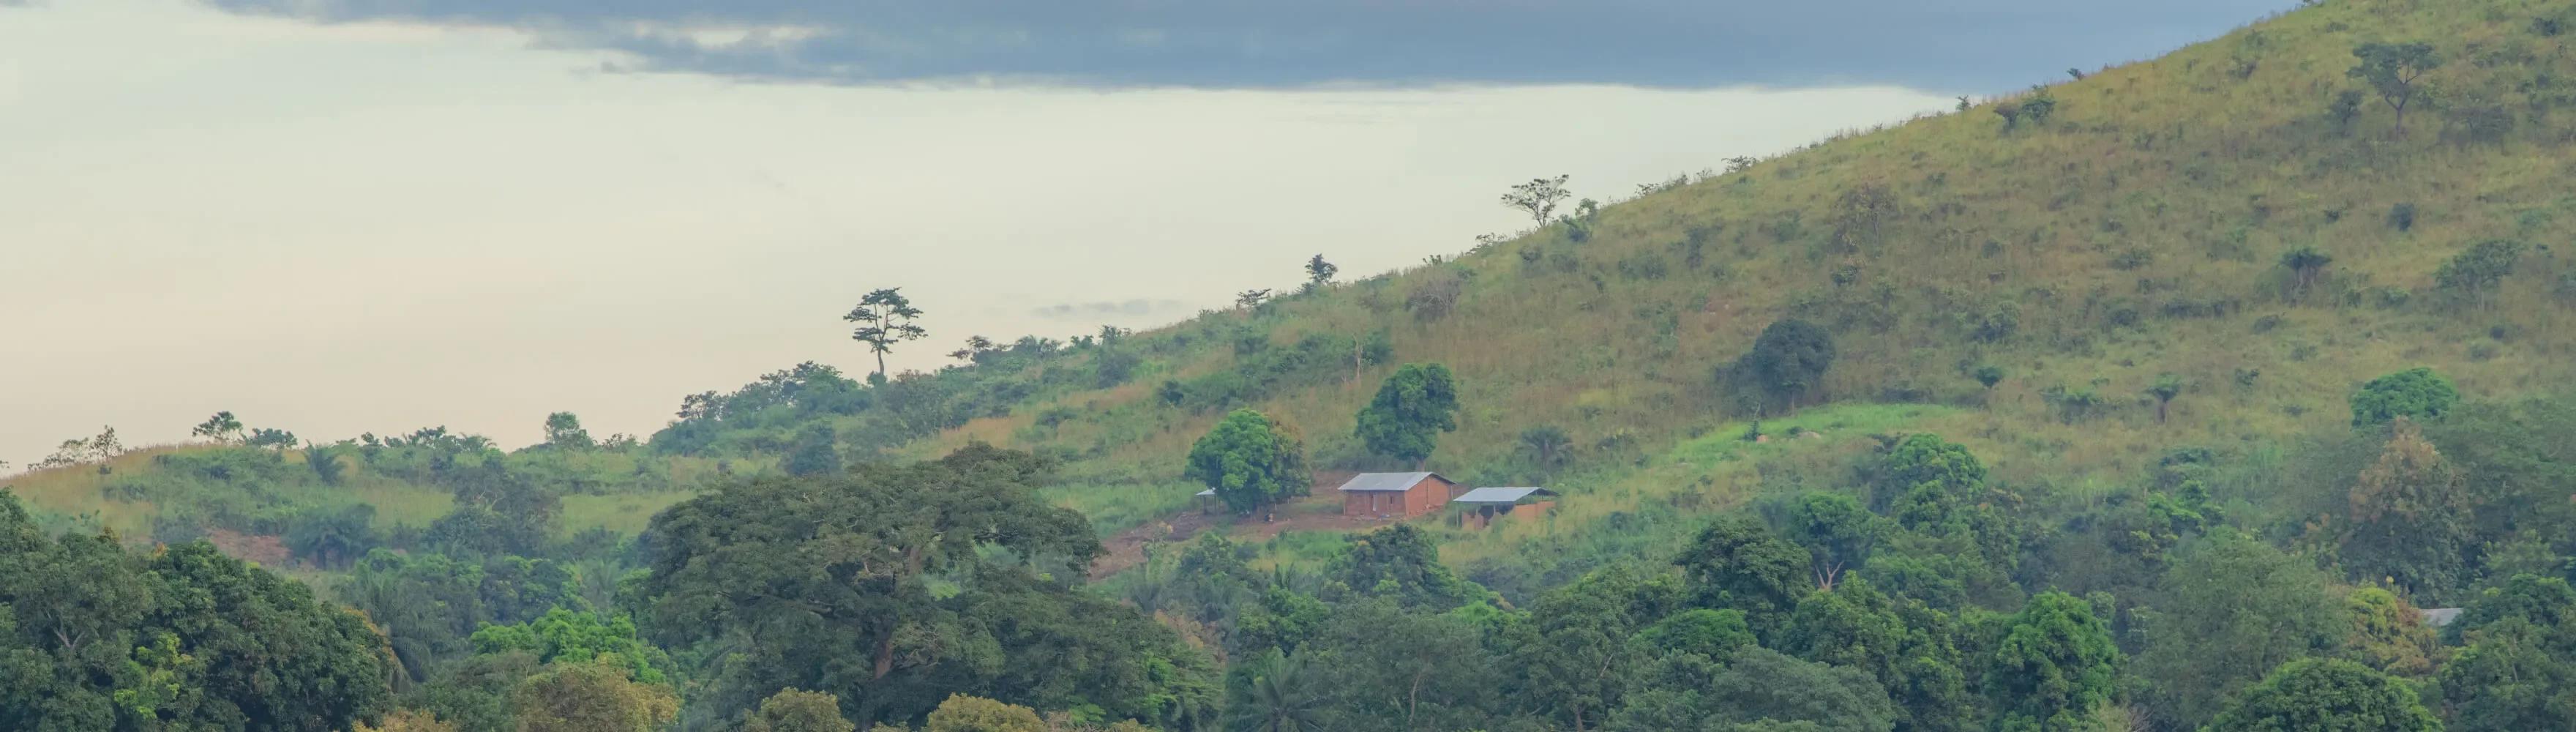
[1206,493]
[2440,616]
[1501,495]
[1386,482]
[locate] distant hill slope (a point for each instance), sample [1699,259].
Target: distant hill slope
[2133,233]
[2137,232]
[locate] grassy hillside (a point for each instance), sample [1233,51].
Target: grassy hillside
[2134,234]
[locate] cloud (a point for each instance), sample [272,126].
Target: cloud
[1090,311]
[1977,45]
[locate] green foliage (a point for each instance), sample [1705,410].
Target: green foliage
[1837,531]
[1275,692]
[588,697]
[2392,70]
[962,713]
[2231,610]
[1717,634]
[872,553]
[96,637]
[2054,666]
[1415,404]
[1250,461]
[885,317]
[2327,695]
[2417,393]
[1910,649]
[1989,375]
[1737,563]
[563,432]
[1403,563]
[797,710]
[817,452]
[2514,675]
[1787,363]
[2473,275]
[1758,690]
[2411,520]
[578,637]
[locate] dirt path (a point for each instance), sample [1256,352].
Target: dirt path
[1312,513]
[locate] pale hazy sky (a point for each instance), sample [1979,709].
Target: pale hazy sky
[378,225]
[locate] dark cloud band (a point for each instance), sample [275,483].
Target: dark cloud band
[1971,45]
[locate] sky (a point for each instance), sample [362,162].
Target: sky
[344,216]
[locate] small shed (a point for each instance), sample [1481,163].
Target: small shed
[1207,501]
[1396,495]
[1483,505]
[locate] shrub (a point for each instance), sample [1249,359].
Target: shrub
[2417,393]
[2402,216]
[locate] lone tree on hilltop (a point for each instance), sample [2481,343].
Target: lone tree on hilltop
[222,428]
[885,318]
[1319,273]
[1416,402]
[1538,198]
[2392,69]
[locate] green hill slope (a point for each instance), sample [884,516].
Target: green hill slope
[2134,233]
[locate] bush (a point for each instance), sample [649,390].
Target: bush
[2416,393]
[2402,217]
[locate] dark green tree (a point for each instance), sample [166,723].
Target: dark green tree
[2417,393]
[2326,695]
[1760,690]
[2513,676]
[96,637]
[564,432]
[1250,461]
[1416,403]
[885,318]
[2391,70]
[1788,362]
[1736,562]
[1403,563]
[1837,531]
[891,585]
[2305,264]
[1538,198]
[1911,650]
[1547,447]
[1275,692]
[2473,275]
[223,428]
[816,452]
[2229,611]
[2054,667]
[1319,273]
[2165,388]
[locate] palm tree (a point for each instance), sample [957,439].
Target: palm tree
[1548,446]
[1275,693]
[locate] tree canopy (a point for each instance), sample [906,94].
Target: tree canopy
[1416,403]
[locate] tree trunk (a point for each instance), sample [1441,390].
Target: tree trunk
[885,655]
[881,364]
[2160,409]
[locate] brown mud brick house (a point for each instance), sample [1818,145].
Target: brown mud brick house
[1396,495]
[1484,505]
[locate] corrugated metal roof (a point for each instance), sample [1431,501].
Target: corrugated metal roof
[1207,493]
[2440,616]
[1501,495]
[1385,482]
